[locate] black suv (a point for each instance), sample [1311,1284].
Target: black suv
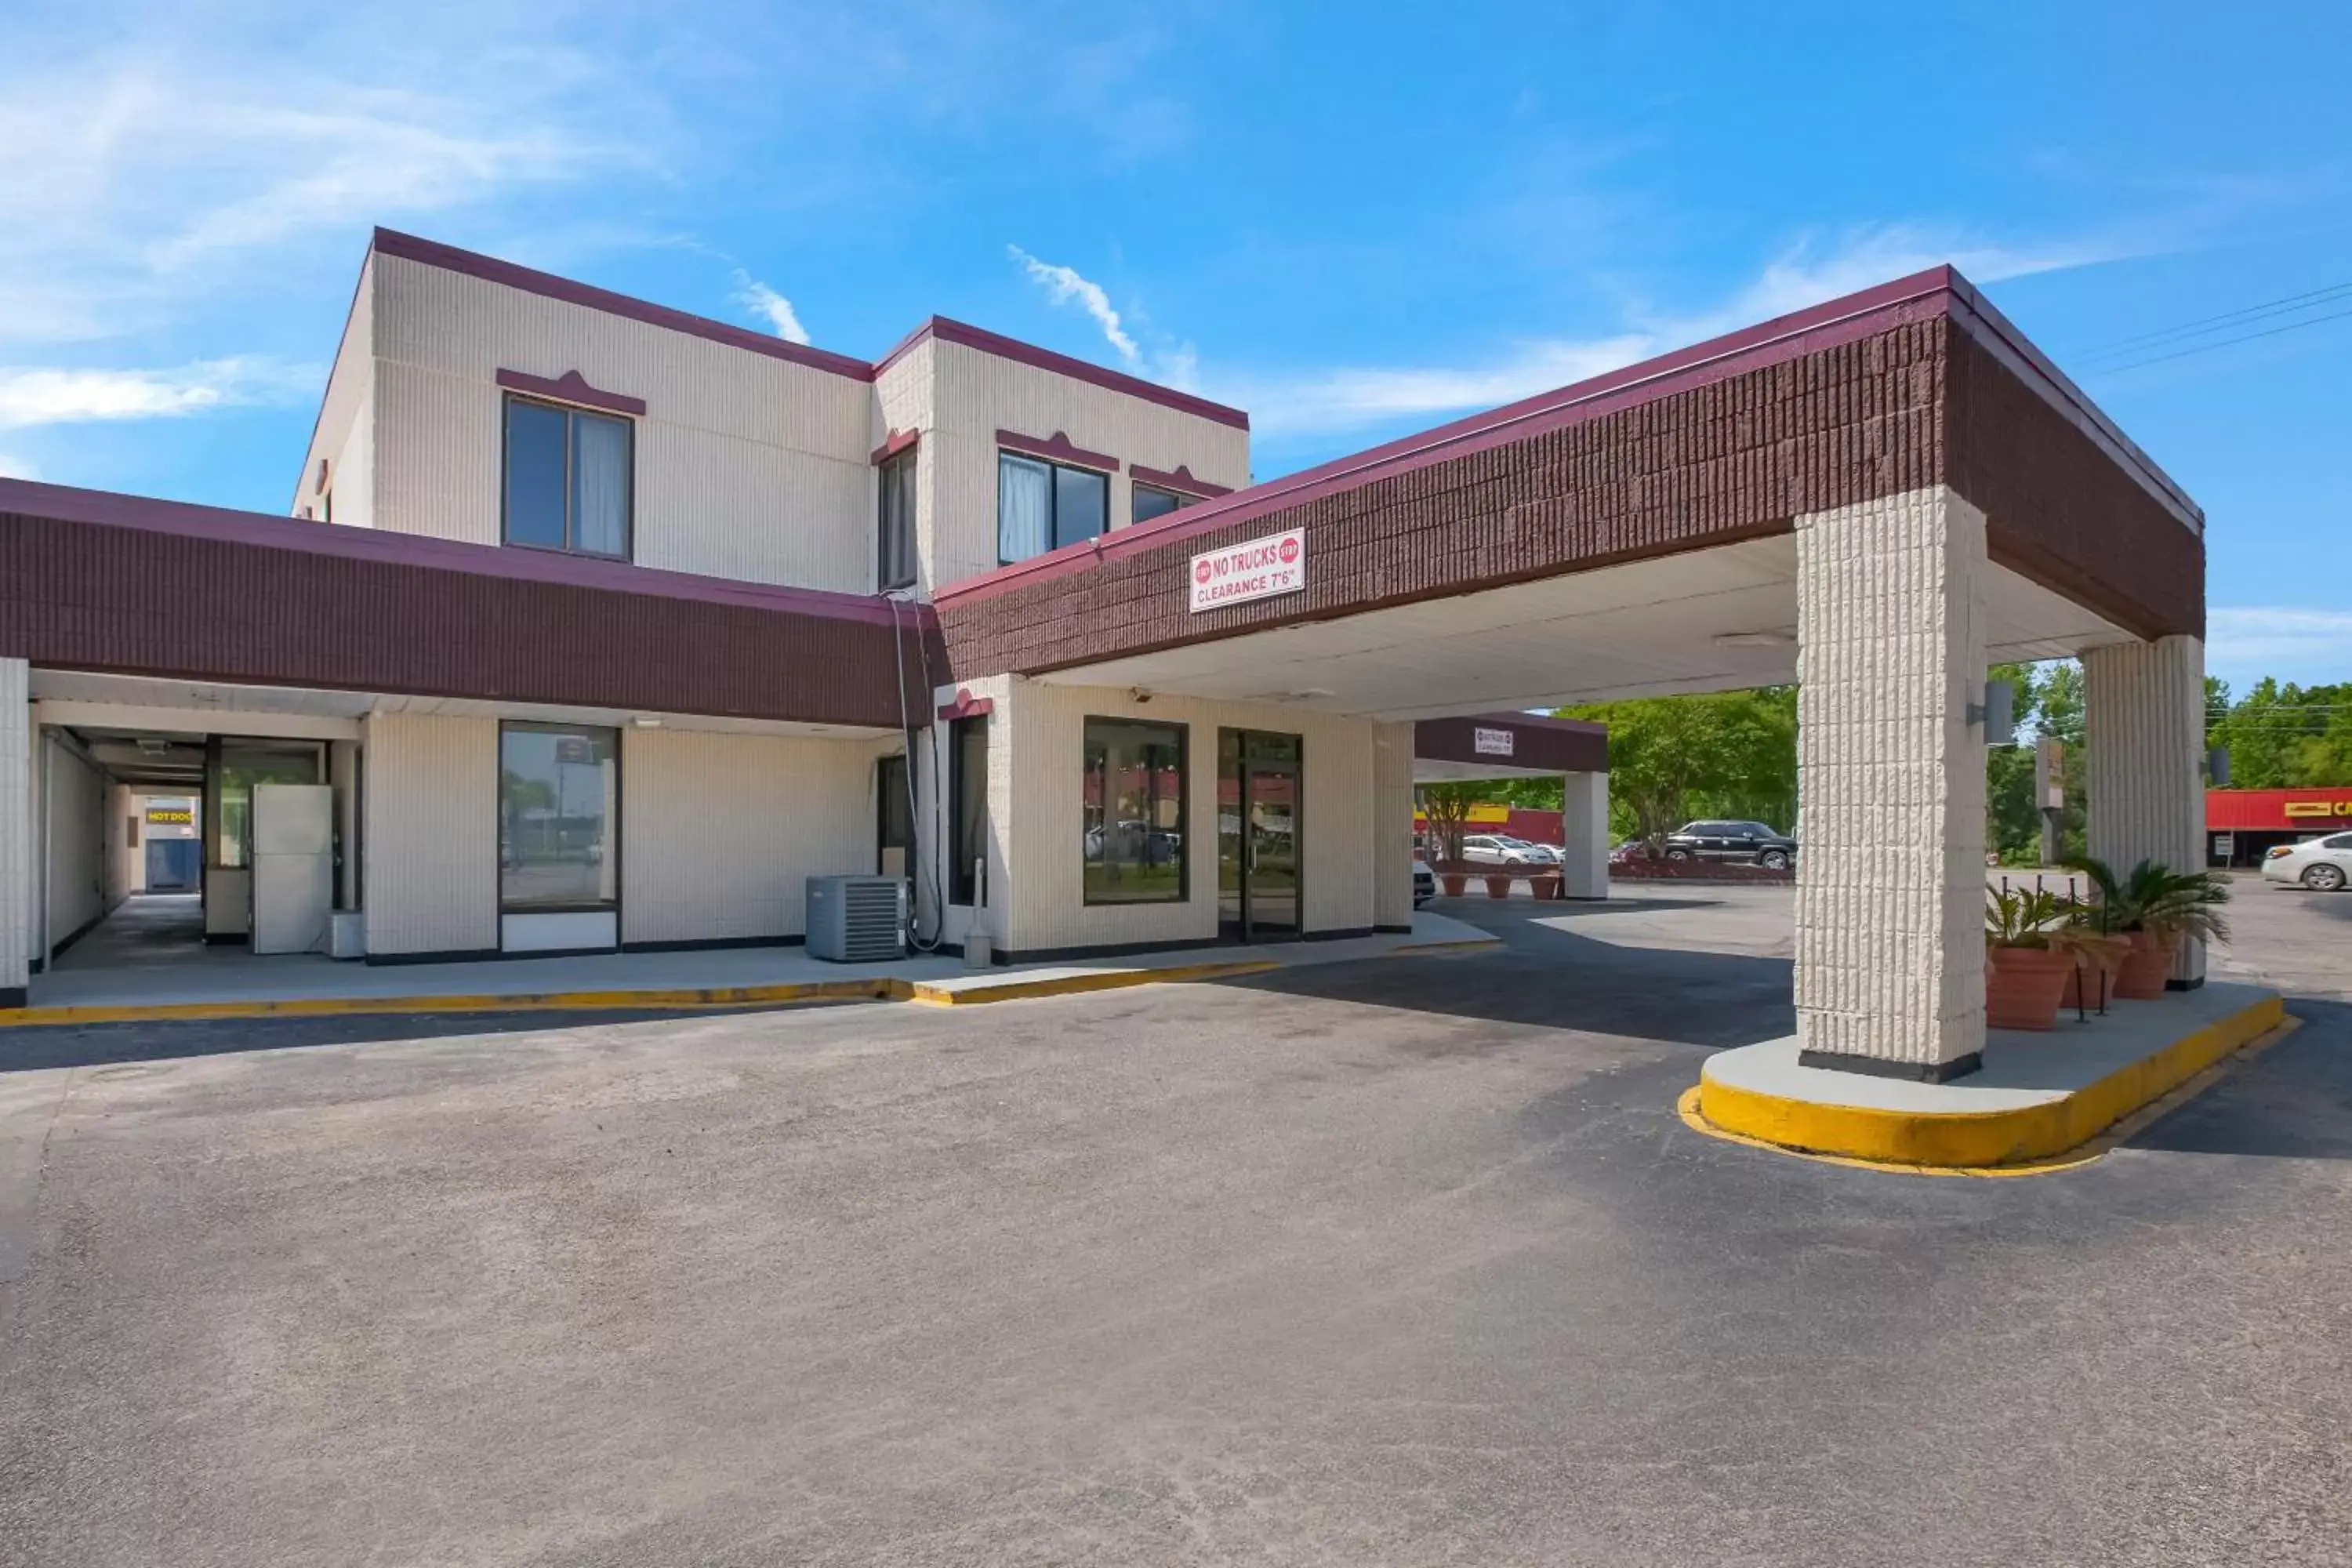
[1745,841]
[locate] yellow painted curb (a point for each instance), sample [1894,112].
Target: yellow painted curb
[1977,1140]
[871,990]
[939,995]
[880,988]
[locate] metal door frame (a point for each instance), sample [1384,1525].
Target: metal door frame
[1243,771]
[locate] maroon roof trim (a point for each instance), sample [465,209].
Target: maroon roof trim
[107,509]
[1057,447]
[898,441]
[572,387]
[972,337]
[1856,316]
[1561,745]
[472,264]
[967,706]
[1182,480]
[546,285]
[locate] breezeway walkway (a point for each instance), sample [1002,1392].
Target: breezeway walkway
[131,965]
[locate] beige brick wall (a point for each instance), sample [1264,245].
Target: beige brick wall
[1891,780]
[1036,806]
[2144,731]
[720,832]
[977,394]
[747,467]
[76,842]
[430,839]
[18,885]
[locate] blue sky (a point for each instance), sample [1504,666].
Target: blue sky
[1354,220]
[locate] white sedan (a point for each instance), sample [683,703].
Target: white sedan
[2323,865]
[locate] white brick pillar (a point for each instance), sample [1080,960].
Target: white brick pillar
[1584,837]
[1392,826]
[17,922]
[2144,729]
[1891,786]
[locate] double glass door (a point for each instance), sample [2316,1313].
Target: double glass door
[1258,835]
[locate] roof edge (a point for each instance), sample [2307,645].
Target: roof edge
[112,508]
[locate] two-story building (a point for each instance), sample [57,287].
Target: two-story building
[607,626]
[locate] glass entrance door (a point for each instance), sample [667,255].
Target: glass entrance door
[1258,779]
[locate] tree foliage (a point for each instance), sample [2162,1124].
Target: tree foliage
[2283,737]
[1447,805]
[1731,753]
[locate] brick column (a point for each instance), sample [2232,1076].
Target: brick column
[1890,787]
[17,922]
[2144,729]
[1584,837]
[1392,826]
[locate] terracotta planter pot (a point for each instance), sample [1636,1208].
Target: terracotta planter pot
[1497,887]
[1545,889]
[2145,968]
[1455,883]
[2022,985]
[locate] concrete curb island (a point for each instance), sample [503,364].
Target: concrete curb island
[2038,1096]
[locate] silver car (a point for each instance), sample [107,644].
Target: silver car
[1502,849]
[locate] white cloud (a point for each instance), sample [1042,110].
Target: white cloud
[771,307]
[35,395]
[1065,284]
[1348,398]
[2294,644]
[149,173]
[1807,272]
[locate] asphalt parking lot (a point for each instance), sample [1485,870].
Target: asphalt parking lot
[1401,1261]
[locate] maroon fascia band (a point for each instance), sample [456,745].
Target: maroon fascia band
[1181,481]
[967,706]
[572,387]
[1058,447]
[899,441]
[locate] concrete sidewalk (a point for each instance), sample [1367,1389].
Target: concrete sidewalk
[230,983]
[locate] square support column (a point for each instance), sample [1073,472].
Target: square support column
[18,883]
[1890,787]
[2144,729]
[1584,837]
[1392,827]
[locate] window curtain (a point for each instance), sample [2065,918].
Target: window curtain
[1024,508]
[600,485]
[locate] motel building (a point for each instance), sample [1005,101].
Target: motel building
[596,626]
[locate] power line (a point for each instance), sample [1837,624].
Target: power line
[2310,300]
[2225,343]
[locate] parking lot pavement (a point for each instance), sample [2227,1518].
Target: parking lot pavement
[1402,1261]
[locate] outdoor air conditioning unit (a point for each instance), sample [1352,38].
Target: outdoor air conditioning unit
[857,919]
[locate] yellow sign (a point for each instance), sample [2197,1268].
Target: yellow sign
[170,816]
[2319,808]
[1480,816]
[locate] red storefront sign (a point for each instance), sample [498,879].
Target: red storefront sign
[2277,810]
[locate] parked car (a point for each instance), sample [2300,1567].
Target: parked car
[2323,865]
[1424,882]
[1501,849]
[1750,842]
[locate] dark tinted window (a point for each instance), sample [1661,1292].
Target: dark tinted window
[895,524]
[967,807]
[558,792]
[1151,501]
[535,474]
[1133,798]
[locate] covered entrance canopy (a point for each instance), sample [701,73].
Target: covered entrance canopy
[1874,498]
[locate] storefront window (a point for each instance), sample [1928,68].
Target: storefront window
[559,794]
[1134,812]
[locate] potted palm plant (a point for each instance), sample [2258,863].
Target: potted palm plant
[2025,972]
[2152,908]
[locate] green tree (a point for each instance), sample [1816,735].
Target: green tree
[1731,753]
[2283,737]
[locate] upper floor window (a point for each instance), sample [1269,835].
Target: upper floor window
[1151,501]
[1042,506]
[894,528]
[568,479]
